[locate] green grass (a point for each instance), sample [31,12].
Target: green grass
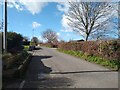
[26,47]
[48,46]
[112,64]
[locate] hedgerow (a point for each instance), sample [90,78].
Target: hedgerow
[106,53]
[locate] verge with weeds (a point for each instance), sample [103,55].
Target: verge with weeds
[112,64]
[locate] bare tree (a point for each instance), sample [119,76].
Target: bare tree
[88,18]
[50,35]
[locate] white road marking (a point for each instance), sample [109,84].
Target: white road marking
[22,84]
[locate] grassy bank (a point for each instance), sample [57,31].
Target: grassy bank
[11,63]
[26,47]
[112,64]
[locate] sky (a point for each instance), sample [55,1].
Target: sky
[32,18]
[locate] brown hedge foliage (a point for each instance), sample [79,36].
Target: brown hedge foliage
[106,49]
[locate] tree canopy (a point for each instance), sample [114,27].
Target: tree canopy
[35,40]
[14,41]
[89,18]
[50,36]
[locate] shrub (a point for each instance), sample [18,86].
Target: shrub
[14,42]
[106,53]
[105,49]
[26,47]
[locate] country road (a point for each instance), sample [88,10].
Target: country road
[52,69]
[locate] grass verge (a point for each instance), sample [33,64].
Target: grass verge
[26,47]
[111,64]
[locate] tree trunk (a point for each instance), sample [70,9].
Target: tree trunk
[86,39]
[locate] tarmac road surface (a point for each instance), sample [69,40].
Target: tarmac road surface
[52,69]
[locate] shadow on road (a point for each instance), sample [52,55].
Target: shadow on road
[38,75]
[94,71]
[36,67]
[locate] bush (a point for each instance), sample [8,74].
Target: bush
[105,49]
[26,43]
[26,47]
[14,42]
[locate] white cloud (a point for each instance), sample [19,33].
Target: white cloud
[14,4]
[58,34]
[71,0]
[10,5]
[63,6]
[64,22]
[42,0]
[35,25]
[40,38]
[32,6]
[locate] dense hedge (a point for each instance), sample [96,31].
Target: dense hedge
[14,42]
[51,45]
[105,49]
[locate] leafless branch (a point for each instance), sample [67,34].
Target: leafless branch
[88,17]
